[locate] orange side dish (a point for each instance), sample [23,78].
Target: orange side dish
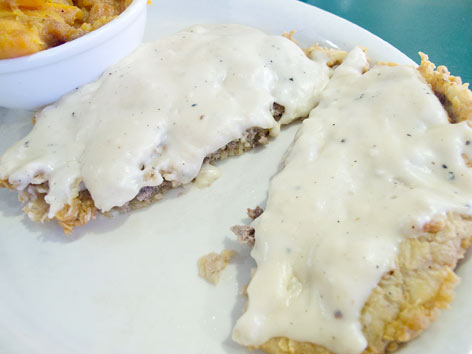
[29,26]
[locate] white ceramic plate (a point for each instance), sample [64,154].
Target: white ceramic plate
[130,284]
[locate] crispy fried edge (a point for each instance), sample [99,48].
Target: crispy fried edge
[82,208]
[334,56]
[409,298]
[453,94]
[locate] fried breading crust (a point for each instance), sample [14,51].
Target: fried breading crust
[81,210]
[334,56]
[453,94]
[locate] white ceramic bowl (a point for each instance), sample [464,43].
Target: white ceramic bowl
[36,80]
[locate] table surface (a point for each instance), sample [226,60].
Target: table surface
[439,28]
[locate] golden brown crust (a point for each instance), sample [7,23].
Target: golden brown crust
[409,298]
[334,56]
[386,63]
[289,36]
[81,210]
[5,184]
[455,96]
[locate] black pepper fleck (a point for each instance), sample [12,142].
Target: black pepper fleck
[361,96]
[338,314]
[343,140]
[193,105]
[444,166]
[467,142]
[291,79]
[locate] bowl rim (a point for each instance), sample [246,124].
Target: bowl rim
[90,40]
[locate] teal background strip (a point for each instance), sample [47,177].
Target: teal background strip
[440,28]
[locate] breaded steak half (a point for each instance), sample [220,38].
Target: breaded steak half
[416,273]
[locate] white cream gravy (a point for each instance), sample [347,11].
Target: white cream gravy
[160,111]
[207,175]
[376,160]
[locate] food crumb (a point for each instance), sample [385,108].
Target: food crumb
[245,234]
[211,265]
[254,213]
